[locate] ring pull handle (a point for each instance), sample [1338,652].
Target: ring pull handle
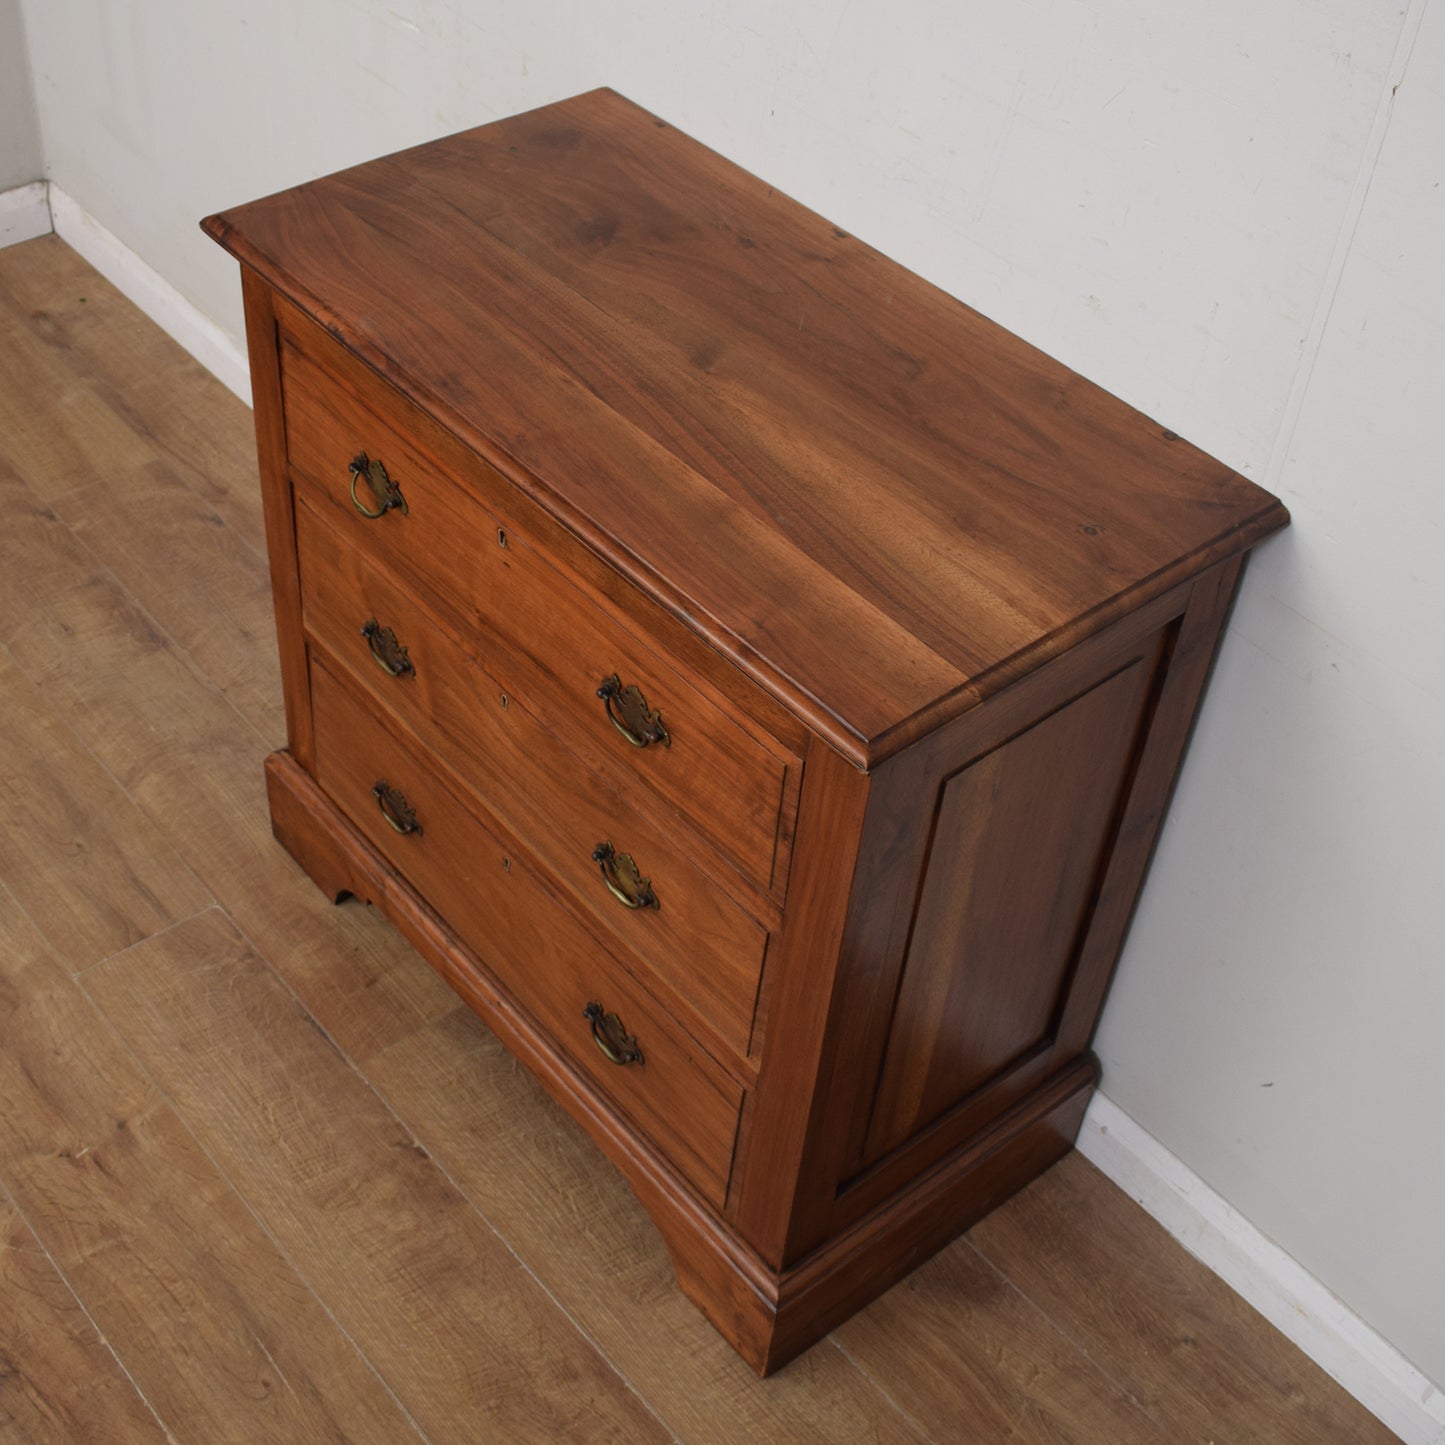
[385,494]
[390,654]
[629,713]
[623,880]
[395,808]
[609,1035]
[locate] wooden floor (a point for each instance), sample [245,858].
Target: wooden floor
[262,1179]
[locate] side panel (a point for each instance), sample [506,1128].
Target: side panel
[1020,838]
[1012,877]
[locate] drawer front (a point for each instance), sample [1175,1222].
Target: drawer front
[560,640]
[494,897]
[702,950]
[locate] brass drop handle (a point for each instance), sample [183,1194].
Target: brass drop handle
[395,808]
[385,494]
[629,713]
[390,654]
[608,1034]
[622,878]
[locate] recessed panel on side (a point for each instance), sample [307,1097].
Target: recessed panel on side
[1020,838]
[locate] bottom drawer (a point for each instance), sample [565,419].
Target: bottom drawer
[494,898]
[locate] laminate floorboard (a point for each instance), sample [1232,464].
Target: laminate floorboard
[473,1346]
[478,1113]
[86,394]
[262,1178]
[207,1317]
[59,1380]
[187,759]
[1171,1332]
[206,588]
[90,868]
[957,1341]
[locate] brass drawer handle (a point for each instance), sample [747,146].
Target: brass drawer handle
[629,713]
[390,654]
[395,808]
[384,491]
[623,880]
[609,1036]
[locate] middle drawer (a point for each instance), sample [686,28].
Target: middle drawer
[701,950]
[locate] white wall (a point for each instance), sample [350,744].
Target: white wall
[20,161]
[1278,1019]
[1220,212]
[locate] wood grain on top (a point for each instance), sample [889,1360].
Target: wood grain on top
[881,504]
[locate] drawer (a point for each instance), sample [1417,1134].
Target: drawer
[495,898]
[457,542]
[699,946]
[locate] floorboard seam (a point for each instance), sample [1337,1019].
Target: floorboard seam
[441,1169]
[225,1177]
[100,1334]
[78,974]
[1077,1346]
[917,1426]
[83,746]
[183,654]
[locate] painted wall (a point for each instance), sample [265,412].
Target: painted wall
[20,160]
[1227,214]
[1278,1019]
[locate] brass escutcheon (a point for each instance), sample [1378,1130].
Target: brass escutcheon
[395,808]
[610,1036]
[630,715]
[390,654]
[385,493]
[622,878]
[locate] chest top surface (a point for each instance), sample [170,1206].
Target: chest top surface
[877,502]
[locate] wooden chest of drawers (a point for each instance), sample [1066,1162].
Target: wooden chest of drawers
[753,679]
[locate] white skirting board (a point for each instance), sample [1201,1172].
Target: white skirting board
[1281,1289]
[24,214]
[149,290]
[1285,1293]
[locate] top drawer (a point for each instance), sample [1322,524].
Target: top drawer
[476,549]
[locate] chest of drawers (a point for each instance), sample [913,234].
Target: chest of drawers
[753,679]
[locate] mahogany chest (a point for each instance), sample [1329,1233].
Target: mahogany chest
[751,677]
